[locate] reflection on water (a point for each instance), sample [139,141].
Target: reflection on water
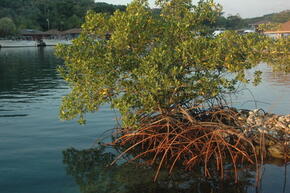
[26,76]
[272,94]
[92,172]
[277,78]
[32,138]
[31,135]
[14,115]
[21,70]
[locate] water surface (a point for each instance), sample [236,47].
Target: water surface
[32,138]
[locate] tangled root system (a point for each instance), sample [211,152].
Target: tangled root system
[190,138]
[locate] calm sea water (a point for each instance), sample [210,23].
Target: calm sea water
[32,138]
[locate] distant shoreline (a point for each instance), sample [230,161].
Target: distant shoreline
[31,43]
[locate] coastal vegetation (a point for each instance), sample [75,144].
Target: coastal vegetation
[169,79]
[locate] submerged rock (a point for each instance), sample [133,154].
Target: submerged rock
[271,130]
[277,151]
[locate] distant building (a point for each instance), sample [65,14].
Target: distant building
[52,34]
[72,33]
[283,31]
[32,34]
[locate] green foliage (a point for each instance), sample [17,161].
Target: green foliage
[7,27]
[268,27]
[153,65]
[279,54]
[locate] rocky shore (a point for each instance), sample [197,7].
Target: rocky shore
[269,131]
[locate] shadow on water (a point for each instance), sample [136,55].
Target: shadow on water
[14,115]
[92,172]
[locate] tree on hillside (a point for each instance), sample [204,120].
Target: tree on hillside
[7,27]
[221,22]
[108,8]
[235,22]
[73,22]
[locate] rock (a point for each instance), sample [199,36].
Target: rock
[259,121]
[263,130]
[277,151]
[287,118]
[272,133]
[281,119]
[275,129]
[270,142]
[281,125]
[258,112]
[250,121]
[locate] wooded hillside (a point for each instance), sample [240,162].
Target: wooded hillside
[51,14]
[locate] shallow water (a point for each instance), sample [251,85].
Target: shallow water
[32,138]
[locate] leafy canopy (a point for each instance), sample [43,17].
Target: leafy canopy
[7,26]
[156,64]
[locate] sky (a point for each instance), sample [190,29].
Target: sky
[245,8]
